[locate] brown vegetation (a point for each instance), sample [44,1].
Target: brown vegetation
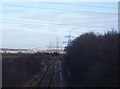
[19,69]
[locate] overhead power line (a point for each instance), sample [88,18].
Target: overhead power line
[53,24]
[66,10]
[60,3]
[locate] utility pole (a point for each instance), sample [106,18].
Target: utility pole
[57,45]
[69,38]
[52,46]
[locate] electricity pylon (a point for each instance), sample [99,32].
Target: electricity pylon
[69,38]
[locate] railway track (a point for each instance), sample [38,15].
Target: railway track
[53,76]
[48,76]
[41,78]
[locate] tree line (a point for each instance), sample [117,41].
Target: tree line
[93,60]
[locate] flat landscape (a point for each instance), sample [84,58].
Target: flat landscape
[60,44]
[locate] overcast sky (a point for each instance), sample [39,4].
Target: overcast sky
[31,25]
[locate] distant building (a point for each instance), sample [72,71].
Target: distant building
[13,50]
[35,50]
